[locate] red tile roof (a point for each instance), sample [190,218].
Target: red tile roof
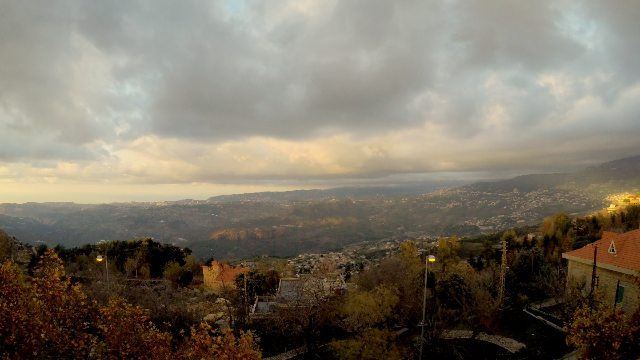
[627,247]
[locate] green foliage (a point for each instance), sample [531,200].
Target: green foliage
[558,236]
[530,277]
[404,273]
[448,249]
[177,274]
[258,283]
[511,238]
[454,291]
[631,218]
[141,258]
[368,309]
[589,228]
[372,344]
[466,296]
[6,246]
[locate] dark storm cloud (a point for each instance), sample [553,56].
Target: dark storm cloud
[505,33]
[37,54]
[354,68]
[82,80]
[617,36]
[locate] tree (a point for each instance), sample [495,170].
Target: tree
[172,271]
[403,272]
[131,267]
[372,344]
[144,272]
[6,246]
[251,284]
[454,292]
[128,333]
[365,315]
[44,316]
[558,235]
[465,295]
[604,333]
[484,307]
[307,315]
[448,249]
[530,277]
[204,343]
[367,309]
[632,217]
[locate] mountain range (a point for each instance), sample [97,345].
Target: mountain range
[286,223]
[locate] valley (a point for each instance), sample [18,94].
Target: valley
[286,224]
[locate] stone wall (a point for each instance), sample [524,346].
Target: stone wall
[210,275]
[607,281]
[219,276]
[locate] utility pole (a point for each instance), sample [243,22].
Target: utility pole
[594,276]
[423,323]
[615,299]
[503,271]
[106,266]
[246,295]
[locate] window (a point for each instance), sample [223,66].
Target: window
[619,294]
[612,248]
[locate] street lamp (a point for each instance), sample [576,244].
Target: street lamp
[427,260]
[104,258]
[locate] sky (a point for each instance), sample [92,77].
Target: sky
[106,101]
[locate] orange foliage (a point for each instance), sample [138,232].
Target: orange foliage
[46,316]
[203,344]
[43,316]
[605,333]
[129,333]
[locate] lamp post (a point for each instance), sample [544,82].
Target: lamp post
[427,260]
[104,258]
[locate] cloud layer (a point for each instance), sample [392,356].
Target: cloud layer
[169,92]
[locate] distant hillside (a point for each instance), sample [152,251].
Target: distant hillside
[622,171]
[286,223]
[627,169]
[522,183]
[352,192]
[12,249]
[27,229]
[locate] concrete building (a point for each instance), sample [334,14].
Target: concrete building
[297,292]
[617,267]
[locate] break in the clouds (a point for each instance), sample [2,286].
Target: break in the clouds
[170,92]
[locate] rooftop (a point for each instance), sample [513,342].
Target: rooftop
[620,251]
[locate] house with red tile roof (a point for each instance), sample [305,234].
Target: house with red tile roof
[617,258]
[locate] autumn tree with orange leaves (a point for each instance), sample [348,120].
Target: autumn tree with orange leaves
[602,332]
[204,343]
[46,316]
[128,333]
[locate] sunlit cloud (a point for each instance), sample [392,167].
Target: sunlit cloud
[221,96]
